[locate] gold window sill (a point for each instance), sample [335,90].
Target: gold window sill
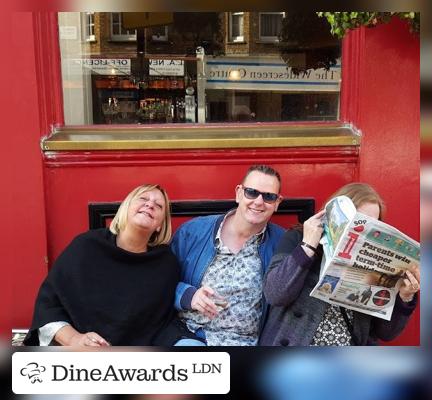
[210,136]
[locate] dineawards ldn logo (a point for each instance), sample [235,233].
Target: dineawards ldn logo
[103,372]
[33,371]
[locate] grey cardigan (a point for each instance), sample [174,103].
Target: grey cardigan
[294,315]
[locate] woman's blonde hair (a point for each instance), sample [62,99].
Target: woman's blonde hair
[119,222]
[361,193]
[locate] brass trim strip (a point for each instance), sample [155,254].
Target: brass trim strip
[199,137]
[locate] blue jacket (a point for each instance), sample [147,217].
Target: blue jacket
[195,248]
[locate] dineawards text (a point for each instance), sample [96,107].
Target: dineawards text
[112,374]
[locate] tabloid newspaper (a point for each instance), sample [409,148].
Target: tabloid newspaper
[364,260]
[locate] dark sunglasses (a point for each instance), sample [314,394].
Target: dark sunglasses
[253,194]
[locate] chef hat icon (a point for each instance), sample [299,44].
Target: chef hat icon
[33,371]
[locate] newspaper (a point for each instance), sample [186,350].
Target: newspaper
[364,260]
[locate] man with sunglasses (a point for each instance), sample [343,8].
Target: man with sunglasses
[223,260]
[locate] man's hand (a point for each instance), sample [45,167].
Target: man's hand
[202,302]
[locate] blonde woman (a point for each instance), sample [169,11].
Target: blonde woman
[114,286]
[297,319]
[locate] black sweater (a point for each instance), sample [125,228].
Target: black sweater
[127,298]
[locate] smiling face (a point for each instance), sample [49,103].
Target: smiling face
[147,210]
[257,211]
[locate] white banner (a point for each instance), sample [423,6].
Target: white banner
[268,74]
[68,32]
[97,372]
[100,66]
[166,67]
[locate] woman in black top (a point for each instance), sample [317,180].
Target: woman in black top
[116,286]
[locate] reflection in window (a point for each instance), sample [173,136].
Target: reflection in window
[268,106]
[160,33]
[89,26]
[236,33]
[117,30]
[270,26]
[188,72]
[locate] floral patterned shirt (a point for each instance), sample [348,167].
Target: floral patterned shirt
[238,278]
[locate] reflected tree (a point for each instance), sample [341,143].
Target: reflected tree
[305,42]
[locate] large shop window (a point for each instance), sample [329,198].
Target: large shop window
[187,68]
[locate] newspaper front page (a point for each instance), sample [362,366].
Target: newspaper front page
[364,260]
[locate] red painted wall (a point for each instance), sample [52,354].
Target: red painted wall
[6,201]
[71,185]
[390,120]
[386,110]
[25,238]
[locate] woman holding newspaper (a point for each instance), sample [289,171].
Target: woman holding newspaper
[297,319]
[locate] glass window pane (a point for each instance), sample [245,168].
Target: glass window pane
[115,28]
[271,24]
[159,33]
[236,25]
[197,76]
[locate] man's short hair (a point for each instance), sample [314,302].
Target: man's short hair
[265,169]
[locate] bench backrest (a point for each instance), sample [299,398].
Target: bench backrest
[101,213]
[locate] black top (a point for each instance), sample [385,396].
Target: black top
[127,298]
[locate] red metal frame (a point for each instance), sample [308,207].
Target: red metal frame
[303,155]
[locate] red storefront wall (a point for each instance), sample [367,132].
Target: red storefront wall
[380,97]
[384,103]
